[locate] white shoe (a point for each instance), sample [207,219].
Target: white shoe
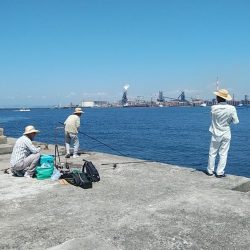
[27,175]
[76,156]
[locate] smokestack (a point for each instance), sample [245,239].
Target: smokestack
[124,96]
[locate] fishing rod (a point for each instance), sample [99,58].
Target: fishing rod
[126,162]
[56,146]
[100,142]
[112,163]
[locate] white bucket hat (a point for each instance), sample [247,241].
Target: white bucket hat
[30,129]
[223,93]
[78,111]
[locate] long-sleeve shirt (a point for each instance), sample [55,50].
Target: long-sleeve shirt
[72,124]
[223,115]
[22,149]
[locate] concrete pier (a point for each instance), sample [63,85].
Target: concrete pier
[136,205]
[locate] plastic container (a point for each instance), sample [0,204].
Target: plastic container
[56,174]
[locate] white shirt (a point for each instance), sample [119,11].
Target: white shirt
[72,124]
[22,149]
[223,115]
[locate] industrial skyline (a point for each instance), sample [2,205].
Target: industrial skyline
[65,51]
[159,98]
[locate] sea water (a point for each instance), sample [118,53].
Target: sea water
[176,135]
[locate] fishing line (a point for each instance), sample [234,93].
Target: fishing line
[101,142]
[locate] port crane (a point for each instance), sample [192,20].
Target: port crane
[181,97]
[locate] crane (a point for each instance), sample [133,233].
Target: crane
[181,97]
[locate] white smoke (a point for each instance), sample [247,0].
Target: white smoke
[126,87]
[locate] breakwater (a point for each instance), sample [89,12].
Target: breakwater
[138,205]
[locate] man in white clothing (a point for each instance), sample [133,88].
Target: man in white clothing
[223,115]
[25,155]
[72,125]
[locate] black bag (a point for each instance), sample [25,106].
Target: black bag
[78,179]
[91,171]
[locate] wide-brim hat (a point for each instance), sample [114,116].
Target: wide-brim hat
[223,93]
[30,129]
[78,111]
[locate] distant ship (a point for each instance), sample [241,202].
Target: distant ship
[241,105]
[24,110]
[203,105]
[137,105]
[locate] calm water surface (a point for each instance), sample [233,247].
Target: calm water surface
[172,135]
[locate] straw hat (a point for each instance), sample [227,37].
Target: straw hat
[78,111]
[223,93]
[30,129]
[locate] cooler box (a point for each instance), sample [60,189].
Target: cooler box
[47,159]
[46,167]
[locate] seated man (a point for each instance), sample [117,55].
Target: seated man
[25,155]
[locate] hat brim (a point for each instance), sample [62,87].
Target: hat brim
[79,112]
[228,97]
[31,131]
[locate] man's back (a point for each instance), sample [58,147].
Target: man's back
[223,115]
[72,124]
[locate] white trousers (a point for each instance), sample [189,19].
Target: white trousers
[71,137]
[218,145]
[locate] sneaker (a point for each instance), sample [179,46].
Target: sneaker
[18,173]
[27,175]
[209,174]
[220,175]
[67,156]
[76,156]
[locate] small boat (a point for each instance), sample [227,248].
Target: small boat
[24,110]
[241,105]
[203,105]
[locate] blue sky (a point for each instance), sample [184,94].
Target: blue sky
[58,51]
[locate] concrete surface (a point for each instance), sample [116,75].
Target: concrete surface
[5,148]
[3,139]
[138,205]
